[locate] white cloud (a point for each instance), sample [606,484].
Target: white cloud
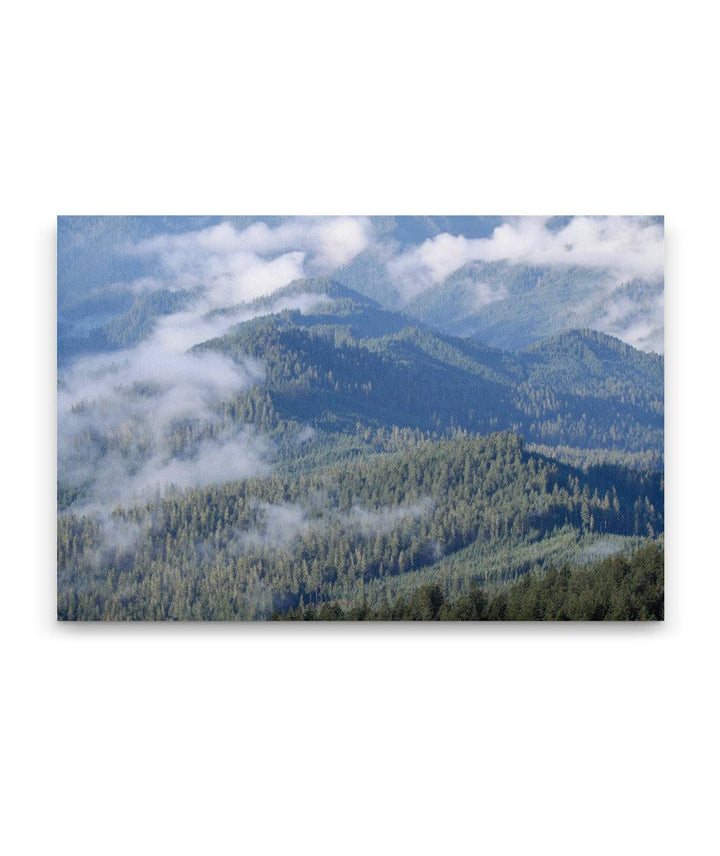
[639,324]
[178,332]
[234,454]
[626,246]
[235,265]
[281,524]
[116,415]
[371,522]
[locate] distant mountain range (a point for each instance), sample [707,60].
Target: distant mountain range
[503,304]
[512,306]
[349,361]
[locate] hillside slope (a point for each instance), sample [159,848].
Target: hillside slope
[512,306]
[349,362]
[466,511]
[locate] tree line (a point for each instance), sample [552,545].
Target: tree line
[616,589]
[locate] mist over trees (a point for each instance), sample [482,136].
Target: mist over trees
[311,452]
[364,530]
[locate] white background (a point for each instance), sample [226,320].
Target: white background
[359,739]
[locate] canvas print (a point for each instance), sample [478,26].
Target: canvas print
[354,418]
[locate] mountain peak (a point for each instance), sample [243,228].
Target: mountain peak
[599,343]
[322,286]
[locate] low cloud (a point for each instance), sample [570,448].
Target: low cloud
[636,319]
[119,414]
[135,423]
[234,265]
[200,322]
[280,525]
[626,246]
[378,521]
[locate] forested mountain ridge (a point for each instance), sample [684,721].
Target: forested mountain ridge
[586,362]
[349,362]
[583,363]
[367,530]
[111,318]
[512,306]
[489,300]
